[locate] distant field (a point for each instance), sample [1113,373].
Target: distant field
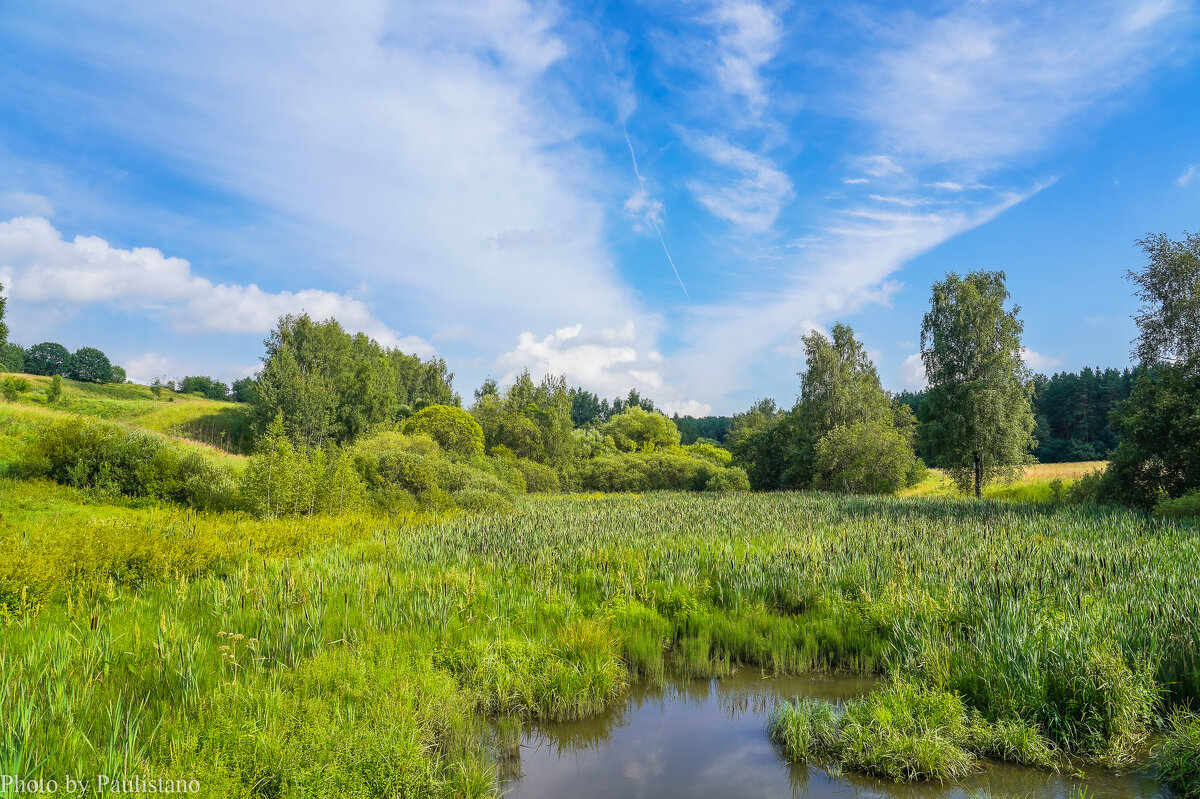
[224,425]
[1035,485]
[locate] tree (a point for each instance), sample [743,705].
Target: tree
[118,375]
[3,324]
[48,358]
[1169,288]
[977,418]
[54,393]
[452,428]
[840,385]
[244,390]
[533,420]
[204,386]
[90,365]
[12,357]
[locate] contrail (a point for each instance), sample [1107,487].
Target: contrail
[650,216]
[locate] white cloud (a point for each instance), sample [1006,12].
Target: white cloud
[607,361]
[1035,360]
[644,208]
[982,84]
[1190,173]
[40,267]
[911,374]
[751,201]
[854,181]
[423,147]
[748,36]
[147,366]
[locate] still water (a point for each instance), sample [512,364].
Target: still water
[706,739]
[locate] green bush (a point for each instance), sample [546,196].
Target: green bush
[657,471]
[455,430]
[539,478]
[638,429]
[864,458]
[12,387]
[1187,505]
[476,500]
[111,459]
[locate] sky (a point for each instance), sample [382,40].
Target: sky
[663,196]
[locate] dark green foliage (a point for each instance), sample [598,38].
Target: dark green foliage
[3,324]
[244,390]
[761,440]
[1186,506]
[48,358]
[204,386]
[12,357]
[1073,413]
[977,420]
[585,407]
[330,385]
[1159,453]
[89,365]
[118,375]
[111,459]
[452,428]
[713,428]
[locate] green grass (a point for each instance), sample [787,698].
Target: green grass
[361,657]
[1177,758]
[1042,482]
[222,425]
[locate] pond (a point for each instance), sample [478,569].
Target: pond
[706,738]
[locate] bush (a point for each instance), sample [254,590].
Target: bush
[54,393]
[13,386]
[475,500]
[539,478]
[455,430]
[657,471]
[638,429]
[110,459]
[1187,505]
[864,458]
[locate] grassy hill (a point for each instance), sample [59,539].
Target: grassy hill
[222,425]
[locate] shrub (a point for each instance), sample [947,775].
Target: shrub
[864,458]
[475,500]
[12,387]
[709,452]
[54,393]
[731,479]
[638,429]
[108,458]
[1187,505]
[539,478]
[455,430]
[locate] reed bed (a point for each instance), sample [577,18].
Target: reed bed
[365,658]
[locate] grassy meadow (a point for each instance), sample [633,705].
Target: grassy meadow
[362,656]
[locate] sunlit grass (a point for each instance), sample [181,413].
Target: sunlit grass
[1037,484]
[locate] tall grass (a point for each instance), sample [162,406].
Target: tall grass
[357,656]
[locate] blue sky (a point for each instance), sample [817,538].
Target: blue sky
[660,195]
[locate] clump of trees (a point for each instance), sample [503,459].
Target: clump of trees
[844,433]
[330,385]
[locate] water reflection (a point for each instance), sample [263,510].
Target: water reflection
[705,739]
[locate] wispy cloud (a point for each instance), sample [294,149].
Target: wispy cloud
[1191,172]
[747,37]
[982,83]
[754,198]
